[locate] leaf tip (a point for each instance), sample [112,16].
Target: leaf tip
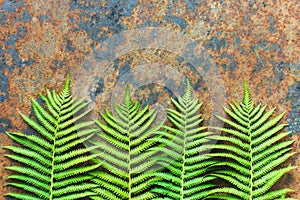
[67,83]
[188,92]
[127,98]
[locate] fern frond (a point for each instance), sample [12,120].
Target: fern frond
[184,150]
[251,152]
[123,144]
[52,159]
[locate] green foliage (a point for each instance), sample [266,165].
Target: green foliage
[123,151]
[131,149]
[251,152]
[54,164]
[184,157]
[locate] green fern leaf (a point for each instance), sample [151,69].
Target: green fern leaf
[123,145]
[51,161]
[184,156]
[251,152]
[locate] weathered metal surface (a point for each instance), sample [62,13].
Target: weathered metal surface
[42,41]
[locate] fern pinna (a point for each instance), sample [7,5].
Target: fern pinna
[123,144]
[54,163]
[252,149]
[184,153]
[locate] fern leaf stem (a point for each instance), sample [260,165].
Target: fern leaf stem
[183,158]
[129,171]
[251,156]
[53,155]
[52,165]
[251,173]
[129,153]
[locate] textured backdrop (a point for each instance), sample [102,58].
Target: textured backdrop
[257,41]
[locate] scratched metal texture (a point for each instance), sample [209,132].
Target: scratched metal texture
[257,41]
